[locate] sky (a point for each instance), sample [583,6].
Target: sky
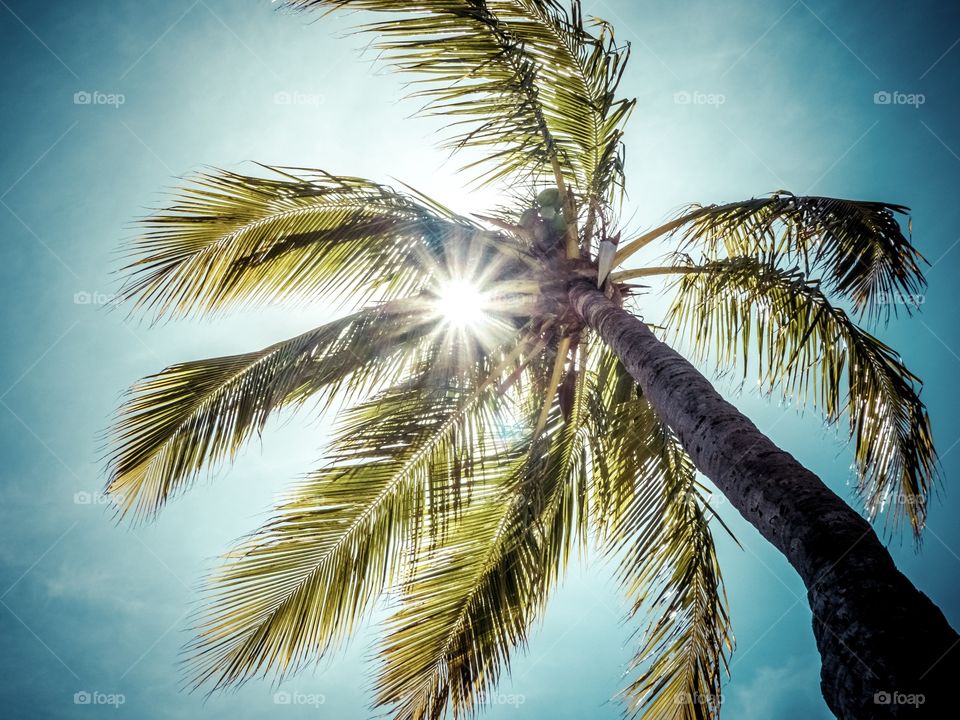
[106,104]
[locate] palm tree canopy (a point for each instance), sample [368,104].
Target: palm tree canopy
[473,460]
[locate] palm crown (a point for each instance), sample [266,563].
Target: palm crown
[474,459]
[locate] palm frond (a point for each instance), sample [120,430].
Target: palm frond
[614,472]
[401,464]
[190,415]
[858,248]
[672,569]
[654,519]
[526,81]
[233,239]
[813,352]
[475,592]
[468,597]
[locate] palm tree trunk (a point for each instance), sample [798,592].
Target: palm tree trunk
[883,643]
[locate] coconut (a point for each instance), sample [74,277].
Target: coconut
[559,224]
[528,218]
[541,236]
[549,198]
[548,213]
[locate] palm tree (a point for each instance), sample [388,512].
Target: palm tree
[500,410]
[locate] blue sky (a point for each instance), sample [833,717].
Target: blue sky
[735,99]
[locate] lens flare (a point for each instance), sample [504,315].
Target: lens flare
[461,304]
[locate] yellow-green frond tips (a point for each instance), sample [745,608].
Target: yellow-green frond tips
[475,592]
[231,240]
[682,659]
[857,247]
[529,83]
[469,603]
[650,516]
[744,310]
[191,415]
[402,468]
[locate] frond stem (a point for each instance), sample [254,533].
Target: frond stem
[640,242]
[562,349]
[654,270]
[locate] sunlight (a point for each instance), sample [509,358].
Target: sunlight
[462,304]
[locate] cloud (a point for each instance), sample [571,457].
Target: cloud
[789,691]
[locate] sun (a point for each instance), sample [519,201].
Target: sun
[462,304]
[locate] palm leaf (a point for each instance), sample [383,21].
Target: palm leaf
[654,519]
[234,239]
[474,594]
[526,81]
[192,414]
[857,247]
[400,463]
[683,657]
[813,352]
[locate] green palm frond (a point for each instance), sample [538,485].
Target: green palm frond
[233,239]
[474,593]
[295,589]
[655,520]
[813,352]
[683,657]
[524,80]
[192,414]
[470,596]
[614,472]
[856,247]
